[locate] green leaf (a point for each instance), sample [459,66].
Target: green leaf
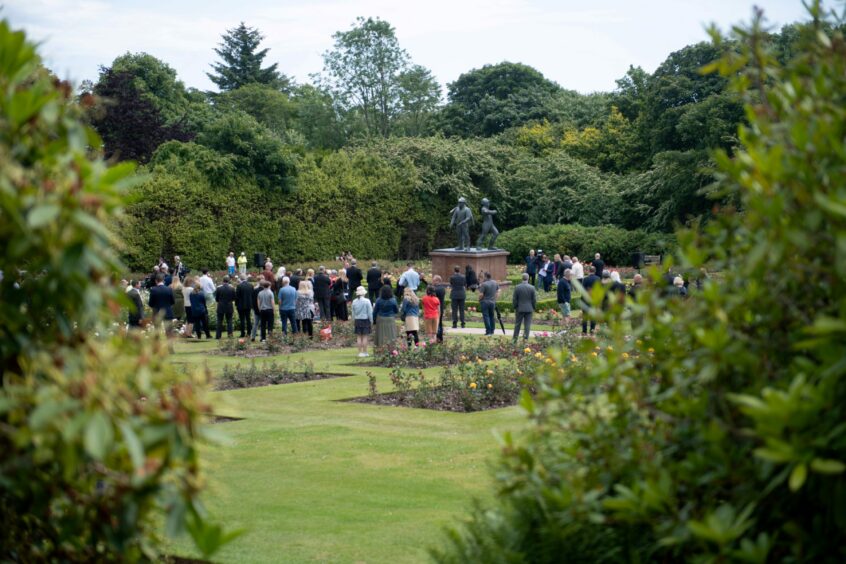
[42,215]
[99,436]
[827,466]
[133,445]
[797,477]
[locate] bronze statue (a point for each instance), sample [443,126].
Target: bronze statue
[488,227]
[461,219]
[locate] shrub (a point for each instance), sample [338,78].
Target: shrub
[615,244]
[99,434]
[716,433]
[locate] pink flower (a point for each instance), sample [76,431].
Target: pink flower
[423,344]
[394,353]
[544,334]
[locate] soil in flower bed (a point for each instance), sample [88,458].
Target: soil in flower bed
[441,400]
[269,375]
[213,419]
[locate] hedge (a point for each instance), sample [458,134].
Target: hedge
[615,244]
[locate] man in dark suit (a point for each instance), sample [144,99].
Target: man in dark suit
[136,310]
[322,296]
[161,300]
[244,303]
[457,295]
[353,276]
[225,296]
[598,264]
[374,281]
[588,284]
[524,300]
[296,278]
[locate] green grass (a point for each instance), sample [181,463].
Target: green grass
[313,479]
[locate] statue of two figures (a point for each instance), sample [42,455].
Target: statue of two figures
[462,219]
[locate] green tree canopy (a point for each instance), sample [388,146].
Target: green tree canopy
[494,98]
[241,62]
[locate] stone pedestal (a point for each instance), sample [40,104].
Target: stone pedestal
[482,260]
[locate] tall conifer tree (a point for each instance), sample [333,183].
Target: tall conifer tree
[241,61]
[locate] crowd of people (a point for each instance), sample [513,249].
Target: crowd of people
[372,299]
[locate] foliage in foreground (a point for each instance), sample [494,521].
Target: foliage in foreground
[99,435]
[727,441]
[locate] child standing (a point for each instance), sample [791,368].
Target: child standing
[362,312]
[410,313]
[431,312]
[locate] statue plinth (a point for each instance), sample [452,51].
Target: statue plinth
[482,260]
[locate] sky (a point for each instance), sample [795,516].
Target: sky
[584,46]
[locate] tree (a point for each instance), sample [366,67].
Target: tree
[241,62]
[128,120]
[713,430]
[494,98]
[363,71]
[156,81]
[419,94]
[317,118]
[99,432]
[267,105]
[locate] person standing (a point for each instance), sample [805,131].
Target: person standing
[546,273]
[340,293]
[161,301]
[374,281]
[539,256]
[230,263]
[488,292]
[322,295]
[254,304]
[457,295]
[578,270]
[362,312]
[296,278]
[287,306]
[354,277]
[225,296]
[410,314]
[136,308]
[524,300]
[268,275]
[440,293]
[200,312]
[265,306]
[180,270]
[589,282]
[564,293]
[244,304]
[431,312]
[242,263]
[385,311]
[305,308]
[410,279]
[178,298]
[598,264]
[187,290]
[207,285]
[531,267]
[168,279]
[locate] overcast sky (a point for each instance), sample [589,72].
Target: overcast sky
[581,45]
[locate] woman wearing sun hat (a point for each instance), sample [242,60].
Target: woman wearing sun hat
[362,311]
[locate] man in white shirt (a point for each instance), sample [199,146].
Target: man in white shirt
[578,271]
[207,285]
[410,278]
[230,264]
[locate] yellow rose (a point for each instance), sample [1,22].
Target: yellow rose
[594,353]
[472,385]
[651,350]
[527,350]
[490,372]
[490,386]
[625,355]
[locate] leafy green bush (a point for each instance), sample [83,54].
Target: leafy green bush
[99,434]
[615,244]
[716,432]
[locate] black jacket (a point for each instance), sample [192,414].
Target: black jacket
[254,298]
[225,296]
[564,291]
[354,278]
[374,279]
[339,291]
[294,281]
[599,265]
[161,300]
[244,296]
[321,285]
[472,281]
[136,311]
[458,287]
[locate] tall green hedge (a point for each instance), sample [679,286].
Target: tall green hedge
[615,244]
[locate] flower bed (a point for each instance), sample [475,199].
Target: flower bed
[234,378]
[459,350]
[277,343]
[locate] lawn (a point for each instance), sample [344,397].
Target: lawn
[314,479]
